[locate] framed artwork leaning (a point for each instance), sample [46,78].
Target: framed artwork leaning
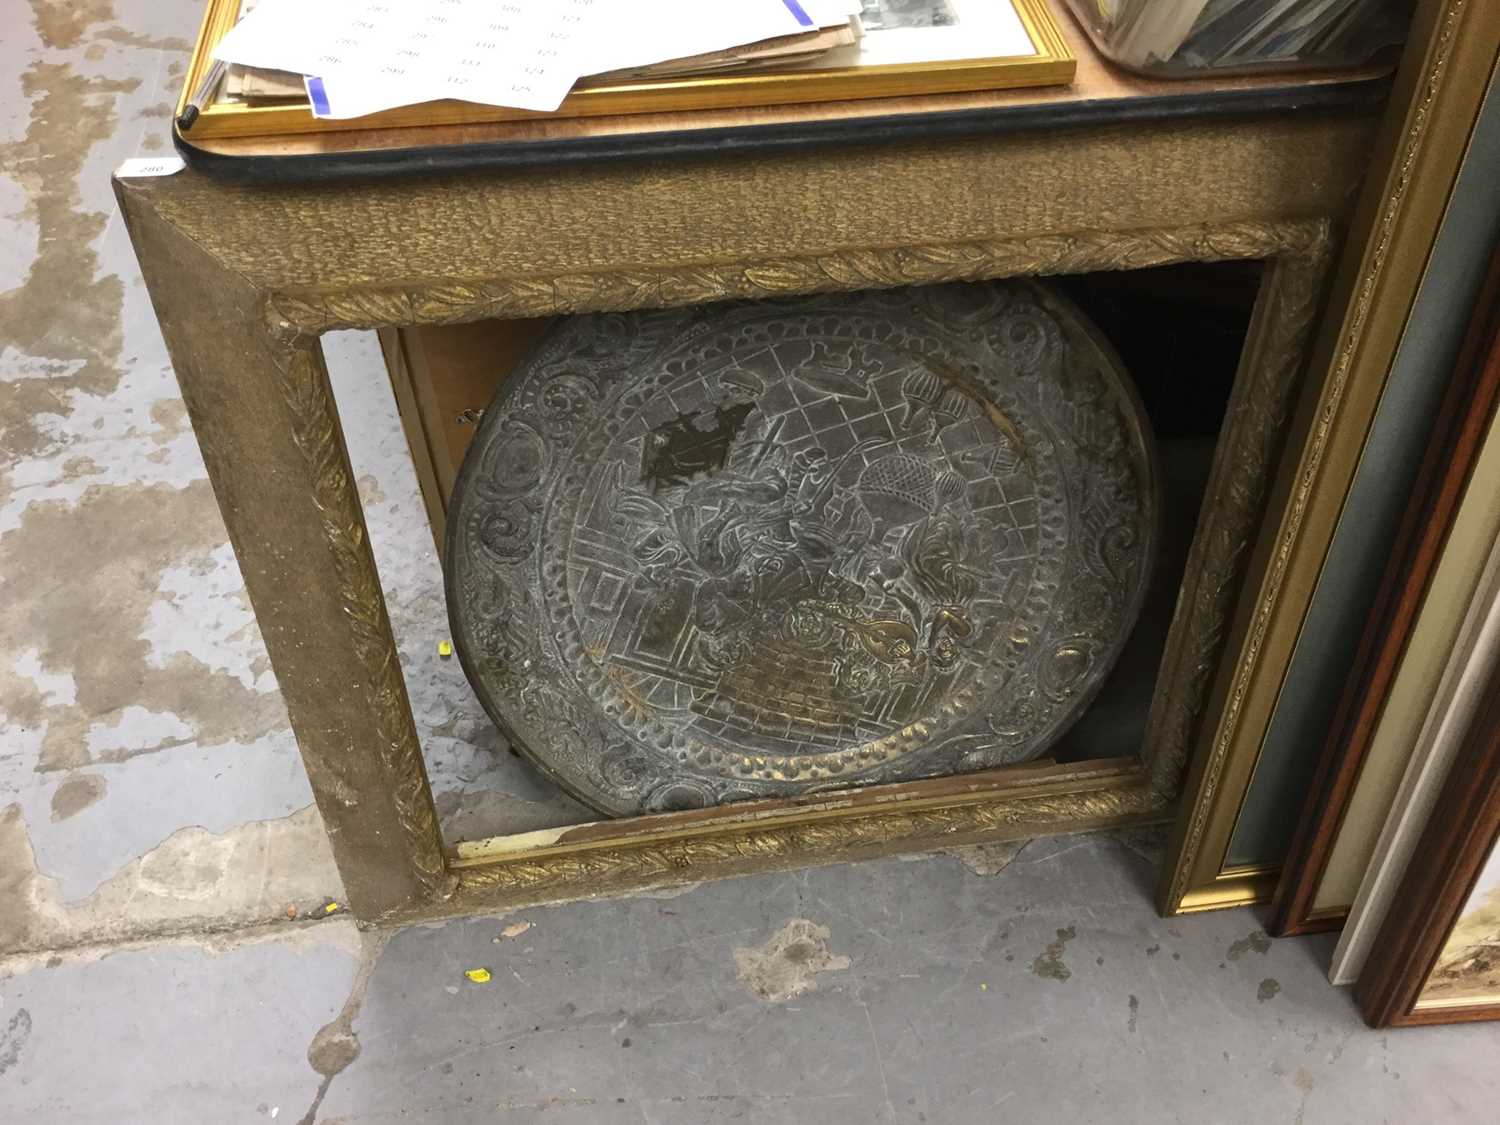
[1437,958]
[1232,846]
[1413,621]
[1474,651]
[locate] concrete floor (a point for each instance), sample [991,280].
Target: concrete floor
[166,952]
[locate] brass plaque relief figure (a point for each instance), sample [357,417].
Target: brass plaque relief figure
[767,549]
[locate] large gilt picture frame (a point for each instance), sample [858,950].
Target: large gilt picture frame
[336,659]
[245,281]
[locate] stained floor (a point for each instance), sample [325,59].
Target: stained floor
[167,952]
[988,986]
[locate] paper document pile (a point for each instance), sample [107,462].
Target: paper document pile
[362,56]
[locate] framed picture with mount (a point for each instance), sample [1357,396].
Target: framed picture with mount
[1394,699]
[1254,756]
[1472,659]
[942,47]
[1278,449]
[1437,958]
[445,375]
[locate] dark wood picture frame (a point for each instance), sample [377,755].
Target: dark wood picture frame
[1458,435]
[1461,835]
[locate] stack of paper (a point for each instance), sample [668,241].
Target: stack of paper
[358,57]
[1204,33]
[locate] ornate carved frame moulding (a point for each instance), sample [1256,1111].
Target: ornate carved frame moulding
[1005,804]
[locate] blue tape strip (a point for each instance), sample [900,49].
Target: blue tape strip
[797,13]
[318,96]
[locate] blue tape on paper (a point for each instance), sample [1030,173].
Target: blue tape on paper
[797,13]
[318,96]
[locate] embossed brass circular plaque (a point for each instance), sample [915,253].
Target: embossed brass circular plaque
[767,549]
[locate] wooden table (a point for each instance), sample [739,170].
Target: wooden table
[530,220]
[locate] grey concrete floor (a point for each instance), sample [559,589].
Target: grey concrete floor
[990,986]
[166,950]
